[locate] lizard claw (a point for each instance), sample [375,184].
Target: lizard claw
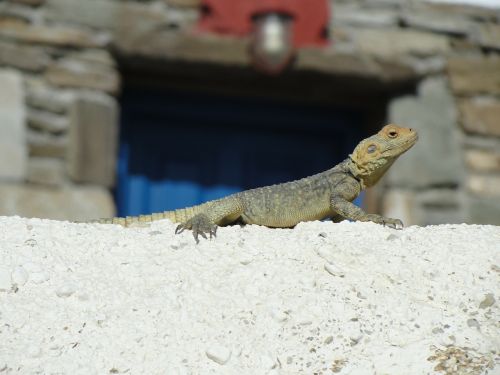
[393,223]
[385,221]
[200,225]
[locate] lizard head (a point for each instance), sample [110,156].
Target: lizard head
[373,156]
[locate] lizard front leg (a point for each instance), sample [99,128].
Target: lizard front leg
[350,211]
[220,212]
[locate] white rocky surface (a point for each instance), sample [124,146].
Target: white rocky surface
[323,298]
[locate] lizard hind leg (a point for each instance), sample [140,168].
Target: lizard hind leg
[200,225]
[219,212]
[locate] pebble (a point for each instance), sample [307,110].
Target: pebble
[279,316]
[392,237]
[325,253]
[19,276]
[245,259]
[39,277]
[5,283]
[267,362]
[334,270]
[218,354]
[307,281]
[488,301]
[65,290]
[473,323]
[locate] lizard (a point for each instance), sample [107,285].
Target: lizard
[328,194]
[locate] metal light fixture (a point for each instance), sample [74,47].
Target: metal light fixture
[277,28]
[272,47]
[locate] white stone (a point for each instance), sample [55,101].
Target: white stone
[19,276]
[39,277]
[332,269]
[326,252]
[65,290]
[219,354]
[279,316]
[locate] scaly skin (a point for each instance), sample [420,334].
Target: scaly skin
[323,195]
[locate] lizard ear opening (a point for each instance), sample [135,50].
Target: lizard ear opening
[371,149]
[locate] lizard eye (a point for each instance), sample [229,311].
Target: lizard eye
[371,149]
[393,134]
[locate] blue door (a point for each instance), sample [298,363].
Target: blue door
[178,149]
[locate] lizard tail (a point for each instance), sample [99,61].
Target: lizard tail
[176,216]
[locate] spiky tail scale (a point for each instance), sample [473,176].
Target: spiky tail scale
[176,216]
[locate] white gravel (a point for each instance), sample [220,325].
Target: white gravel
[348,298]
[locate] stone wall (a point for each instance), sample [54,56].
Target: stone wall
[59,81]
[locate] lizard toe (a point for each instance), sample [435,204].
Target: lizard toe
[393,223]
[200,225]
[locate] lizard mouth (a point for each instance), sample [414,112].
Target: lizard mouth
[410,142]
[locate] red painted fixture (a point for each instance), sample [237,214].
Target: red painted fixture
[277,27]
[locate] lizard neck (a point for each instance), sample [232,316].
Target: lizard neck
[366,178]
[348,167]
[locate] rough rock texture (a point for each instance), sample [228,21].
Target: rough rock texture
[349,298]
[67,203]
[13,150]
[483,161]
[433,114]
[481,116]
[93,138]
[474,75]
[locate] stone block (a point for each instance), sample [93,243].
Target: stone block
[46,171]
[484,185]
[351,14]
[483,160]
[425,66]
[43,97]
[390,44]
[474,75]
[99,14]
[481,116]
[436,159]
[13,150]
[47,121]
[456,7]
[349,64]
[19,11]
[29,2]
[487,35]
[100,57]
[70,72]
[47,145]
[93,139]
[483,210]
[426,207]
[60,36]
[65,203]
[440,206]
[145,31]
[183,3]
[438,22]
[33,59]
[400,204]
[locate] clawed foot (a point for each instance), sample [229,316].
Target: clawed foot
[385,221]
[200,225]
